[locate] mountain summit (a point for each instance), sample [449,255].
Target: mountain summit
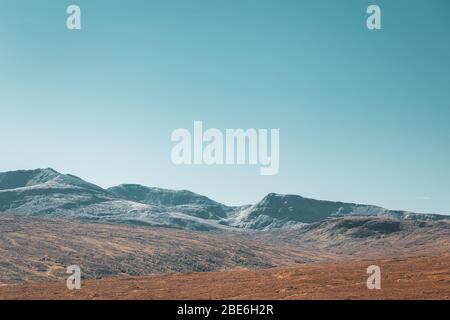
[46,192]
[26,178]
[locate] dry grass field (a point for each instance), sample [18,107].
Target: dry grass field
[411,278]
[327,260]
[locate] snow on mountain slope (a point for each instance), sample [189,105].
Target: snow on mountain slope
[277,210]
[45,192]
[43,178]
[183,201]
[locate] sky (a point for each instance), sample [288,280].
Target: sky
[363,115]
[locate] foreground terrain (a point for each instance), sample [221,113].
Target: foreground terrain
[39,249]
[411,278]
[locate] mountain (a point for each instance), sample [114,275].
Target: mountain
[46,192]
[183,200]
[277,210]
[24,179]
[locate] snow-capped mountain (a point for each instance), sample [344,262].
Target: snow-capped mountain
[187,201]
[46,192]
[277,210]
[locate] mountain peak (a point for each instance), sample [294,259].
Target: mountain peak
[159,196]
[279,196]
[278,209]
[26,178]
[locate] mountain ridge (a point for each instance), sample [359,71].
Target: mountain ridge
[46,192]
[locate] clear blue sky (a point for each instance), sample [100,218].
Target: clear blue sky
[364,116]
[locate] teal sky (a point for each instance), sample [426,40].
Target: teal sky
[364,116]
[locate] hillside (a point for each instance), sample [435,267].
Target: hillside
[39,249]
